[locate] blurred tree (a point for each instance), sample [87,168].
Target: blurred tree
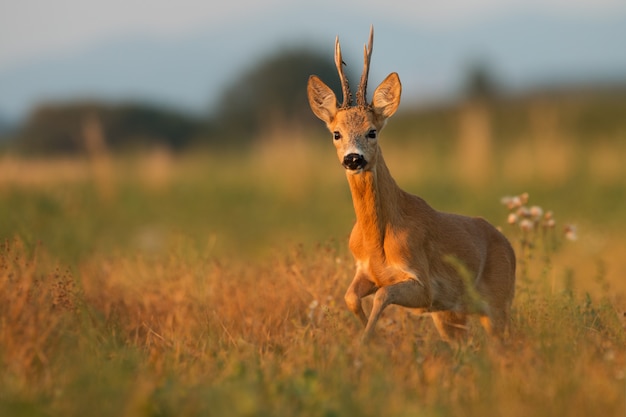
[6,127]
[272,93]
[58,128]
[480,82]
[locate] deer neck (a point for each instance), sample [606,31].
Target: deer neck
[375,196]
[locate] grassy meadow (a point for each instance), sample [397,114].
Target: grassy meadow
[211,283]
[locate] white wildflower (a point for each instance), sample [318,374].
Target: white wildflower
[524,198]
[570,232]
[512,219]
[526,225]
[523,212]
[536,212]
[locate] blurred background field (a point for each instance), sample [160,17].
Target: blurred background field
[174,220]
[285,188]
[211,283]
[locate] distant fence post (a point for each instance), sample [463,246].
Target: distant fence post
[474,145]
[553,157]
[99,158]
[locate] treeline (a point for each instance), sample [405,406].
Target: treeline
[269,94]
[69,128]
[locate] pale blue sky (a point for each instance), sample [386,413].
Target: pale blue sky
[32,28]
[183,52]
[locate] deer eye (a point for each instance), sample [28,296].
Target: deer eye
[371,134]
[336,135]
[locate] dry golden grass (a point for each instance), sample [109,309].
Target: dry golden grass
[184,335]
[183,291]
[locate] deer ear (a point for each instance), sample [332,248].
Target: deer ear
[321,99]
[387,96]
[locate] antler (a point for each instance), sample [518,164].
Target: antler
[361,94]
[347,96]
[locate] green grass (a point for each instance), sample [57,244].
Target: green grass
[212,284]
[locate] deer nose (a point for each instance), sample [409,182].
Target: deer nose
[354,161]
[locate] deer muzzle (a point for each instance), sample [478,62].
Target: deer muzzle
[354,161]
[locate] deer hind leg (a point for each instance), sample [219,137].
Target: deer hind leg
[409,293]
[359,288]
[451,325]
[496,323]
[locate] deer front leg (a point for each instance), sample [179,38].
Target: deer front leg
[410,293]
[360,287]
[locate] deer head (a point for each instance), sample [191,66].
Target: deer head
[355,129]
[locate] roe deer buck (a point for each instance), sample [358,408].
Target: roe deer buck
[406,252]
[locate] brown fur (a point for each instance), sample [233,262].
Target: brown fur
[403,247]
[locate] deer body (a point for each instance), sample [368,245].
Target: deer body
[403,247]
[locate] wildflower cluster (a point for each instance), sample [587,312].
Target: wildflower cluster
[532,218]
[536,228]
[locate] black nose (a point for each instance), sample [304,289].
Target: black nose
[354,161]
